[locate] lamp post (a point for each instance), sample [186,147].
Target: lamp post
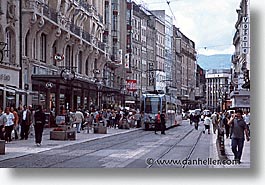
[68,76]
[123,91]
[136,100]
[223,96]
[99,86]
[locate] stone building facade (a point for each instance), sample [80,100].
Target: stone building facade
[186,56]
[72,53]
[240,95]
[10,66]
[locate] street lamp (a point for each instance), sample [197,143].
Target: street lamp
[136,102]
[223,96]
[123,91]
[68,76]
[99,86]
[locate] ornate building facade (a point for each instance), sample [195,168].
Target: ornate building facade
[10,67]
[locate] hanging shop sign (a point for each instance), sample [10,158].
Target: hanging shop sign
[131,85]
[58,57]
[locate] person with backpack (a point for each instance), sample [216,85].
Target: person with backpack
[39,122]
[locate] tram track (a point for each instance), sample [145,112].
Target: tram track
[64,156]
[175,145]
[105,143]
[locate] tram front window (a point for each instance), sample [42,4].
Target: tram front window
[152,105]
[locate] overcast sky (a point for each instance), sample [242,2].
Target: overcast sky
[209,23]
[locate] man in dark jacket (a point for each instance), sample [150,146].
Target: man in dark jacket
[163,122]
[39,124]
[25,122]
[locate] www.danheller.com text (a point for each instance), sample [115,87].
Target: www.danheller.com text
[190,162]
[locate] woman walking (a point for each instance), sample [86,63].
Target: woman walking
[9,124]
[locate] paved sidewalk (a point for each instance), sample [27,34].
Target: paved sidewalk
[245,160]
[18,148]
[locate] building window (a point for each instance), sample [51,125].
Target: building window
[67,56]
[43,49]
[80,62]
[54,52]
[87,66]
[26,44]
[34,49]
[10,48]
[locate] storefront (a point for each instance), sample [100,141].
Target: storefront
[9,83]
[55,93]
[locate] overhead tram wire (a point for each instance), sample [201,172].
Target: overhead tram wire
[214,46]
[168,3]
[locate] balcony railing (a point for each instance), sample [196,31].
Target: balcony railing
[75,29]
[50,13]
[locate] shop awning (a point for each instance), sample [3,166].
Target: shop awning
[7,89]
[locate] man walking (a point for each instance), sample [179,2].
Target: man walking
[25,123]
[238,127]
[39,118]
[163,122]
[157,121]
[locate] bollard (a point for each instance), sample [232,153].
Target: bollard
[221,140]
[2,147]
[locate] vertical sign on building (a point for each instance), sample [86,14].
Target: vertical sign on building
[128,35]
[127,61]
[151,74]
[131,85]
[245,35]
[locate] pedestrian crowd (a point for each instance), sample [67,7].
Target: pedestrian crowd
[235,125]
[107,117]
[21,122]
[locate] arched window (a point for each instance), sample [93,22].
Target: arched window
[43,47]
[67,56]
[80,62]
[54,52]
[26,49]
[87,66]
[10,48]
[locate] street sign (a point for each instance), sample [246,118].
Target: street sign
[96,71]
[49,85]
[131,85]
[58,57]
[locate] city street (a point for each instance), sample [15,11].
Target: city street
[181,147]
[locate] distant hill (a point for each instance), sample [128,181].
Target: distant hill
[222,61]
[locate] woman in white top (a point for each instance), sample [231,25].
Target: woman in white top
[9,124]
[207,123]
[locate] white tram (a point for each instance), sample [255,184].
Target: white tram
[152,102]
